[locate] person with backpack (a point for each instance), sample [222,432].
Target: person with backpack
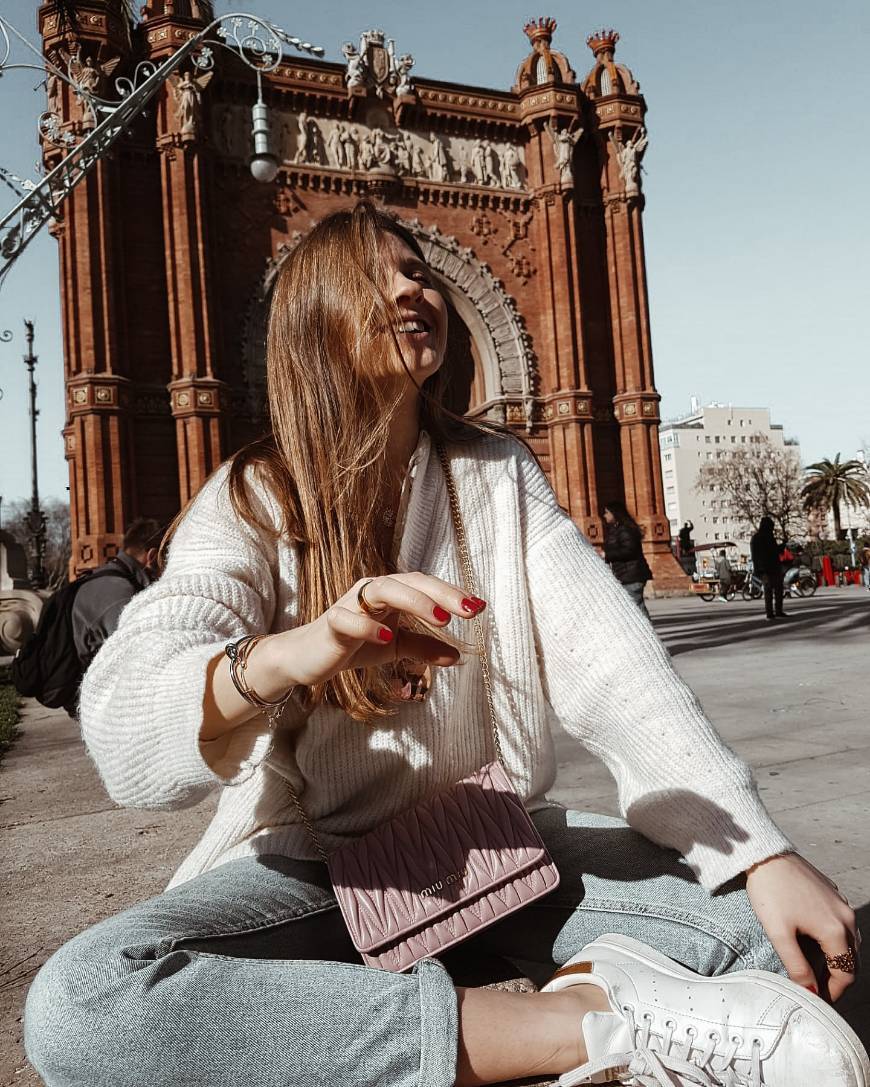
[99,602]
[80,616]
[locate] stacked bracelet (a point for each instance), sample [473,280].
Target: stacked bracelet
[238,653]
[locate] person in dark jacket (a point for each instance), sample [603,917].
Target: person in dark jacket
[767,565]
[100,601]
[623,551]
[687,549]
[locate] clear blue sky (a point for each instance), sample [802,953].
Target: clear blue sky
[757,228]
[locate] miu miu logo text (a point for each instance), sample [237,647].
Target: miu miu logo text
[447,881]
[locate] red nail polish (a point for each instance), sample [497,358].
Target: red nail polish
[440,614]
[478,603]
[385,634]
[469,605]
[813,990]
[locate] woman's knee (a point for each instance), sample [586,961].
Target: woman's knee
[62,1012]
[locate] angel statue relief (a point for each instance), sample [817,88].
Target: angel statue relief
[563,151]
[85,73]
[629,156]
[187,90]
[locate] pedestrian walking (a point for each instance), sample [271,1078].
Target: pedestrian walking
[723,574]
[623,551]
[865,568]
[767,565]
[268,663]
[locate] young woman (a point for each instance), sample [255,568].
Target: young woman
[333,539]
[623,551]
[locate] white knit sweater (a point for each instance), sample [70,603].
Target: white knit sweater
[564,640]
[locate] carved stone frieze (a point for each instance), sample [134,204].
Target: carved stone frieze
[375,145]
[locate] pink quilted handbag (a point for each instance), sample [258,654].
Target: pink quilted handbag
[441,871]
[445,869]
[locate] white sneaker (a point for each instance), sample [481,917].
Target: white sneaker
[672,1028]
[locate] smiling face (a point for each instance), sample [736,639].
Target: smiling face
[421,329]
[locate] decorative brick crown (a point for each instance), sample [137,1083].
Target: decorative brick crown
[603,41]
[540,29]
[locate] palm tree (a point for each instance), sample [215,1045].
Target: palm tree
[829,483]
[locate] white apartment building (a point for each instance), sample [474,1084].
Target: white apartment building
[686,444]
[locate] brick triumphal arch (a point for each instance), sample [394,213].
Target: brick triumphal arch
[528,204]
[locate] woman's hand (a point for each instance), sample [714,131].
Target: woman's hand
[346,637]
[793,898]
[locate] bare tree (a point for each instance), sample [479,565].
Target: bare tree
[758,480]
[58,546]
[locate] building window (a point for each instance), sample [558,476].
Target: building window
[707,438]
[733,439]
[709,456]
[717,439]
[715,535]
[715,520]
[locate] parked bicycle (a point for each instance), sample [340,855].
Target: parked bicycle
[799,581]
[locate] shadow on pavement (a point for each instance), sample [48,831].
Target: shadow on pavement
[755,609]
[852,616]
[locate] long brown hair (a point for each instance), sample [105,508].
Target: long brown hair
[329,344]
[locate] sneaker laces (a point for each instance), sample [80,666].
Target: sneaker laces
[671,1063]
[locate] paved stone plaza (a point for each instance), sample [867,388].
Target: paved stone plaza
[791,697]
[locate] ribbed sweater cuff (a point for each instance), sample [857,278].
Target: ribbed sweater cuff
[728,840]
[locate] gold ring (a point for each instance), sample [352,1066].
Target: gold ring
[845,962]
[365,606]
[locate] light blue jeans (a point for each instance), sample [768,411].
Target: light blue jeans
[245,976]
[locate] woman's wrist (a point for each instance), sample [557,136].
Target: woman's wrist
[774,857]
[267,672]
[225,707]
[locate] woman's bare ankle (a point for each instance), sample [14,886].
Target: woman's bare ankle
[504,1036]
[566,1009]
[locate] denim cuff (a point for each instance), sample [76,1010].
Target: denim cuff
[439,1025]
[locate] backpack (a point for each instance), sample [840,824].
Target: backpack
[48,667]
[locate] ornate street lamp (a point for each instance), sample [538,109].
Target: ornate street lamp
[257,42]
[35,517]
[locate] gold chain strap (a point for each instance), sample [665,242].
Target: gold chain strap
[469,585]
[303,815]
